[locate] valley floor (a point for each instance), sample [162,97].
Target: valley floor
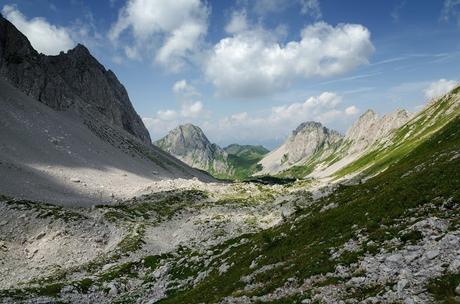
[394,238]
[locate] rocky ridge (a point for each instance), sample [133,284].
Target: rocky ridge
[323,153]
[72,81]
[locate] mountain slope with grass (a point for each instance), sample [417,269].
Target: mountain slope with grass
[392,239]
[360,138]
[420,128]
[244,159]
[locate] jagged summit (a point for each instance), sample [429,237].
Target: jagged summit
[74,80]
[189,143]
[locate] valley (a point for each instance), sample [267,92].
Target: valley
[93,211]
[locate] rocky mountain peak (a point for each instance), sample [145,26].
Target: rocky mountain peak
[72,81]
[189,143]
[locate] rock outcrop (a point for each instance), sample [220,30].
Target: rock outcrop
[189,144]
[69,81]
[370,127]
[308,139]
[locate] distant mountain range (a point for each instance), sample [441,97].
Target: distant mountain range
[312,150]
[189,143]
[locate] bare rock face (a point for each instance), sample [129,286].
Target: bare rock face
[370,128]
[189,144]
[73,81]
[308,139]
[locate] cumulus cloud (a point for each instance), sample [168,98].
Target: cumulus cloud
[190,109]
[238,22]
[252,63]
[312,8]
[439,88]
[173,29]
[351,110]
[280,120]
[46,38]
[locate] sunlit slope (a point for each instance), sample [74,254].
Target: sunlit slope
[419,129]
[276,264]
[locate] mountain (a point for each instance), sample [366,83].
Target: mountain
[393,238]
[400,141]
[309,140]
[247,151]
[69,133]
[189,144]
[315,156]
[360,138]
[244,159]
[73,81]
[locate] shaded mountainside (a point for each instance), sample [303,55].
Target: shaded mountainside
[69,81]
[69,133]
[189,144]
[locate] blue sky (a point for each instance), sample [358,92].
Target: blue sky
[250,71]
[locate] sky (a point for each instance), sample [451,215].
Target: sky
[250,71]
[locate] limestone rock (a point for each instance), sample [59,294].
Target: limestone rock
[189,144]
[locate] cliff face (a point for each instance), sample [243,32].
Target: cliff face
[69,81]
[189,144]
[369,128]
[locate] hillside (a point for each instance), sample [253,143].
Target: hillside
[324,157]
[244,159]
[69,134]
[392,238]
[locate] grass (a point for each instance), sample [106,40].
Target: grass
[377,207]
[406,138]
[443,288]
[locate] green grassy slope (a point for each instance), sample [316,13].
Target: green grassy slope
[424,182]
[408,137]
[244,159]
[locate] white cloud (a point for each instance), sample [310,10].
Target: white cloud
[173,29]
[262,7]
[238,23]
[312,8]
[45,38]
[166,114]
[351,110]
[252,63]
[439,88]
[192,109]
[184,90]
[280,120]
